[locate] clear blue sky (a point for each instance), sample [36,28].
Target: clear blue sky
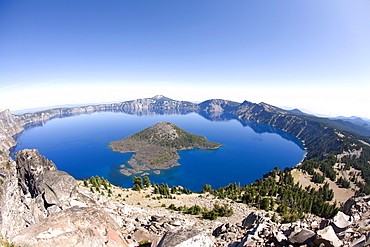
[309,54]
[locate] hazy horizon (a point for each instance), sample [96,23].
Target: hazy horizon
[312,55]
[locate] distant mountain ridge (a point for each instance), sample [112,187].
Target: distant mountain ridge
[364,123]
[165,105]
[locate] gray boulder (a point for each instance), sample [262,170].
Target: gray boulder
[59,187]
[304,236]
[40,180]
[341,222]
[185,237]
[328,237]
[220,229]
[251,220]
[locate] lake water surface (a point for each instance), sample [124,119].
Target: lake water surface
[79,146]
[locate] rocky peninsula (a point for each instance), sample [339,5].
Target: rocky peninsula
[156,147]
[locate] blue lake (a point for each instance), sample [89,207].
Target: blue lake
[79,146]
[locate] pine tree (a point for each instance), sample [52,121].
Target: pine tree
[206,188]
[147,182]
[138,184]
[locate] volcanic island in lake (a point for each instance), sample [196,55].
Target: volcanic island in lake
[156,148]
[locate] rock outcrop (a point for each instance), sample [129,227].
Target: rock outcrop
[218,105]
[37,208]
[22,197]
[258,230]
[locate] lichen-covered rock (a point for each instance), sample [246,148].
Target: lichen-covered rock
[75,226]
[15,214]
[21,201]
[31,168]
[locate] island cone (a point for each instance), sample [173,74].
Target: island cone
[156,147]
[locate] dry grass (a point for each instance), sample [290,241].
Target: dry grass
[341,195]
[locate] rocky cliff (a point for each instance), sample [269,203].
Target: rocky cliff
[218,105]
[40,206]
[313,134]
[8,128]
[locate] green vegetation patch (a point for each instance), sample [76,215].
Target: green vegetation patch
[277,192]
[98,185]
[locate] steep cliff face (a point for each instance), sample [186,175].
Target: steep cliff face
[8,127]
[39,118]
[318,139]
[218,105]
[29,193]
[158,102]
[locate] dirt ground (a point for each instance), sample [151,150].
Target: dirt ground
[144,199]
